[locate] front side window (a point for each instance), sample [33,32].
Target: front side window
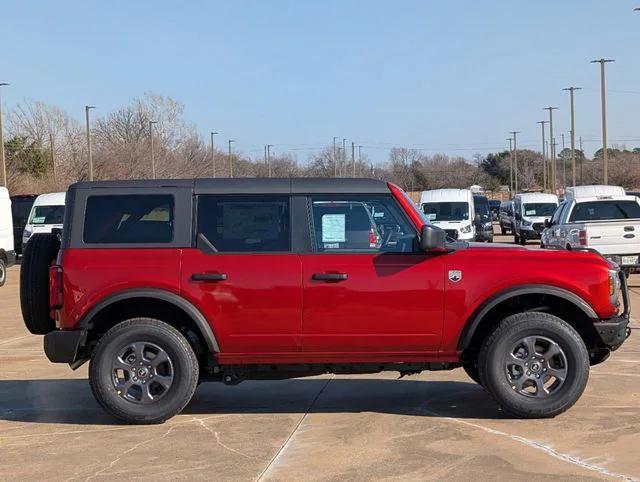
[555,219]
[124,219]
[360,224]
[244,223]
[446,211]
[539,209]
[47,215]
[605,210]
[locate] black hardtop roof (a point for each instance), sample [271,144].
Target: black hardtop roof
[304,185]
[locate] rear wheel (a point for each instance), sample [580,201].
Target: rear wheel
[143,371]
[535,365]
[40,252]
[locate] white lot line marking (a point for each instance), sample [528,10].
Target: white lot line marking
[547,449]
[10,340]
[618,374]
[295,429]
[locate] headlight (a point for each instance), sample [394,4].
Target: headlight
[488,225]
[26,234]
[614,287]
[526,223]
[465,229]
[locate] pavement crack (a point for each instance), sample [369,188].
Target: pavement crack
[217,437]
[293,432]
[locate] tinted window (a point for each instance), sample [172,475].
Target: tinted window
[355,223]
[47,215]
[129,219]
[481,205]
[539,209]
[555,219]
[602,210]
[446,211]
[245,223]
[20,209]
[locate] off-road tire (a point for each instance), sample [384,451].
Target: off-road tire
[3,271]
[471,369]
[40,252]
[176,346]
[516,238]
[496,348]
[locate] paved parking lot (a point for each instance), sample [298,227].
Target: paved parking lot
[435,425]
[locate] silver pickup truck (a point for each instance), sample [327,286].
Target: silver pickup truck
[601,218]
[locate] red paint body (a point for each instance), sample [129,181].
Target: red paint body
[392,307]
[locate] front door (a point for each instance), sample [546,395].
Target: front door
[366,287]
[243,275]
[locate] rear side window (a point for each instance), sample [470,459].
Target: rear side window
[604,210]
[124,219]
[354,223]
[245,223]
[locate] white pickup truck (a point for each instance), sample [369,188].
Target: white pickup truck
[602,218]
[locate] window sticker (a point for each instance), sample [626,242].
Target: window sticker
[530,213]
[38,219]
[431,216]
[379,214]
[333,228]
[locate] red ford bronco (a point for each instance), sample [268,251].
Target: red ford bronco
[164,284]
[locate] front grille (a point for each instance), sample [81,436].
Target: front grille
[538,227]
[452,233]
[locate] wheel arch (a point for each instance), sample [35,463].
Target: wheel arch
[535,297]
[131,303]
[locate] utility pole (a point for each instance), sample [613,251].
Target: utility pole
[544,157]
[53,157]
[564,165]
[515,160]
[335,158]
[343,158]
[510,139]
[360,158]
[153,159]
[581,160]
[269,146]
[553,151]
[573,134]
[353,159]
[87,108]
[2,159]
[213,153]
[603,96]
[230,158]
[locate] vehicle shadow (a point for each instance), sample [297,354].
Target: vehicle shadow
[71,401]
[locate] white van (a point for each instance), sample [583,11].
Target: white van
[451,210]
[530,213]
[7,253]
[46,215]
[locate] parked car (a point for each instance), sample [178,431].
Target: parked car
[20,208]
[483,220]
[451,210]
[46,214]
[599,218]
[505,218]
[7,251]
[494,205]
[164,284]
[530,213]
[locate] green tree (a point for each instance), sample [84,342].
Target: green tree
[26,157]
[497,166]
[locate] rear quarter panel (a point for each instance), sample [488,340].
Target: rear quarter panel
[90,275]
[486,274]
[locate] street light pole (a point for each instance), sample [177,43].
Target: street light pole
[230,158]
[603,96]
[153,159]
[553,151]
[544,157]
[213,155]
[515,160]
[573,135]
[2,159]
[87,108]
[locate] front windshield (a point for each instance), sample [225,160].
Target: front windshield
[482,208]
[539,209]
[47,215]
[446,211]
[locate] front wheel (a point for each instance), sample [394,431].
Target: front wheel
[535,365]
[143,371]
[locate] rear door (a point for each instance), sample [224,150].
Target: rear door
[243,274]
[366,287]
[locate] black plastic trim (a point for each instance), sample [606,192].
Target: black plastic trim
[10,256]
[205,329]
[64,346]
[475,319]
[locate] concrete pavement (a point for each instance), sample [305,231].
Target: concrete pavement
[431,426]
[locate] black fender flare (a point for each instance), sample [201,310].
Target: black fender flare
[194,313]
[474,320]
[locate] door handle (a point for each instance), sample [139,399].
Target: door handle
[330,276]
[209,276]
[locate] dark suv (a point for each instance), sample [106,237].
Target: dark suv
[165,284]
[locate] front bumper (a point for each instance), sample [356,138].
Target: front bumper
[64,346]
[613,332]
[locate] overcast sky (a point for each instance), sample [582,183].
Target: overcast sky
[442,76]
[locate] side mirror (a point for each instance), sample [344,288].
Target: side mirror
[477,220]
[547,223]
[432,238]
[518,216]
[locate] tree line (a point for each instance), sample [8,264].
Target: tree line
[46,150]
